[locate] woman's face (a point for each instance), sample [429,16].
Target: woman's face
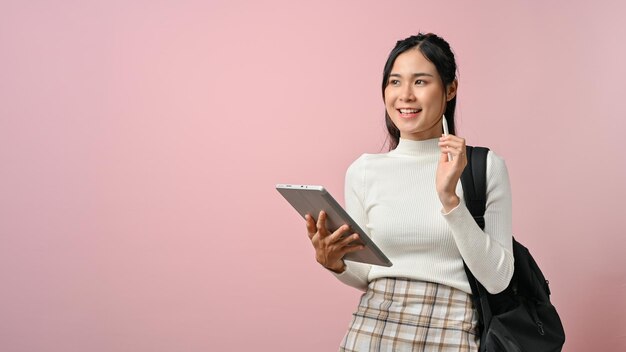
[414,96]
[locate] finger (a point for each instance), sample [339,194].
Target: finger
[321,224]
[447,137]
[444,144]
[310,225]
[452,140]
[457,144]
[452,147]
[350,249]
[458,156]
[451,137]
[336,236]
[443,157]
[446,153]
[459,149]
[349,239]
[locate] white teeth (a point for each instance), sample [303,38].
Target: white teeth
[409,111]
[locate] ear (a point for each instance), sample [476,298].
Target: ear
[451,90]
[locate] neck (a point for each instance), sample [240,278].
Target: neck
[417,147]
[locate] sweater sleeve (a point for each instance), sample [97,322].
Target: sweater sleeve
[356,273]
[488,253]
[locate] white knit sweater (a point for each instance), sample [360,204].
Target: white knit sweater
[392,197]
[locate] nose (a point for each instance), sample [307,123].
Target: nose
[407,93]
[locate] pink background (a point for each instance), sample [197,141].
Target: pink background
[140,142]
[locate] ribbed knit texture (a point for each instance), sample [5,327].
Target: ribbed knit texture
[392,197]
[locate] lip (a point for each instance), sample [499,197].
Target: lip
[409,115]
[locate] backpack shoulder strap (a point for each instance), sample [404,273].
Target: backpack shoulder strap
[474,181]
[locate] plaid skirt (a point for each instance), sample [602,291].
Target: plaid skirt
[397,314]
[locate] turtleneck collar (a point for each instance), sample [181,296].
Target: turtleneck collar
[410,147]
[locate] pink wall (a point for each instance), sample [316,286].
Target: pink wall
[140,142]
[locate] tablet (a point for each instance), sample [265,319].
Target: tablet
[307,199]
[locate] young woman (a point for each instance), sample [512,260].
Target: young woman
[409,201]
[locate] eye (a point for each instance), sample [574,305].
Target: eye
[394,82]
[419,82]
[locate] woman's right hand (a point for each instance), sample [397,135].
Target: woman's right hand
[330,248]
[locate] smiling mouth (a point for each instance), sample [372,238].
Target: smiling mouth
[408,112]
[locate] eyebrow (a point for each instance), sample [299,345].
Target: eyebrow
[418,74]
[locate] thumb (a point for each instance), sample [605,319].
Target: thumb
[443,157]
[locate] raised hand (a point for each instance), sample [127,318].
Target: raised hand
[449,171]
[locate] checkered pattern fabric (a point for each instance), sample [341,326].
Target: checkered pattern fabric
[398,314]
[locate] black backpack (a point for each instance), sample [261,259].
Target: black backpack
[521,318]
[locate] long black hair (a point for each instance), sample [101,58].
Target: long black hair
[437,51]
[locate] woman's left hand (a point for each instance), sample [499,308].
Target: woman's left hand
[449,172]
